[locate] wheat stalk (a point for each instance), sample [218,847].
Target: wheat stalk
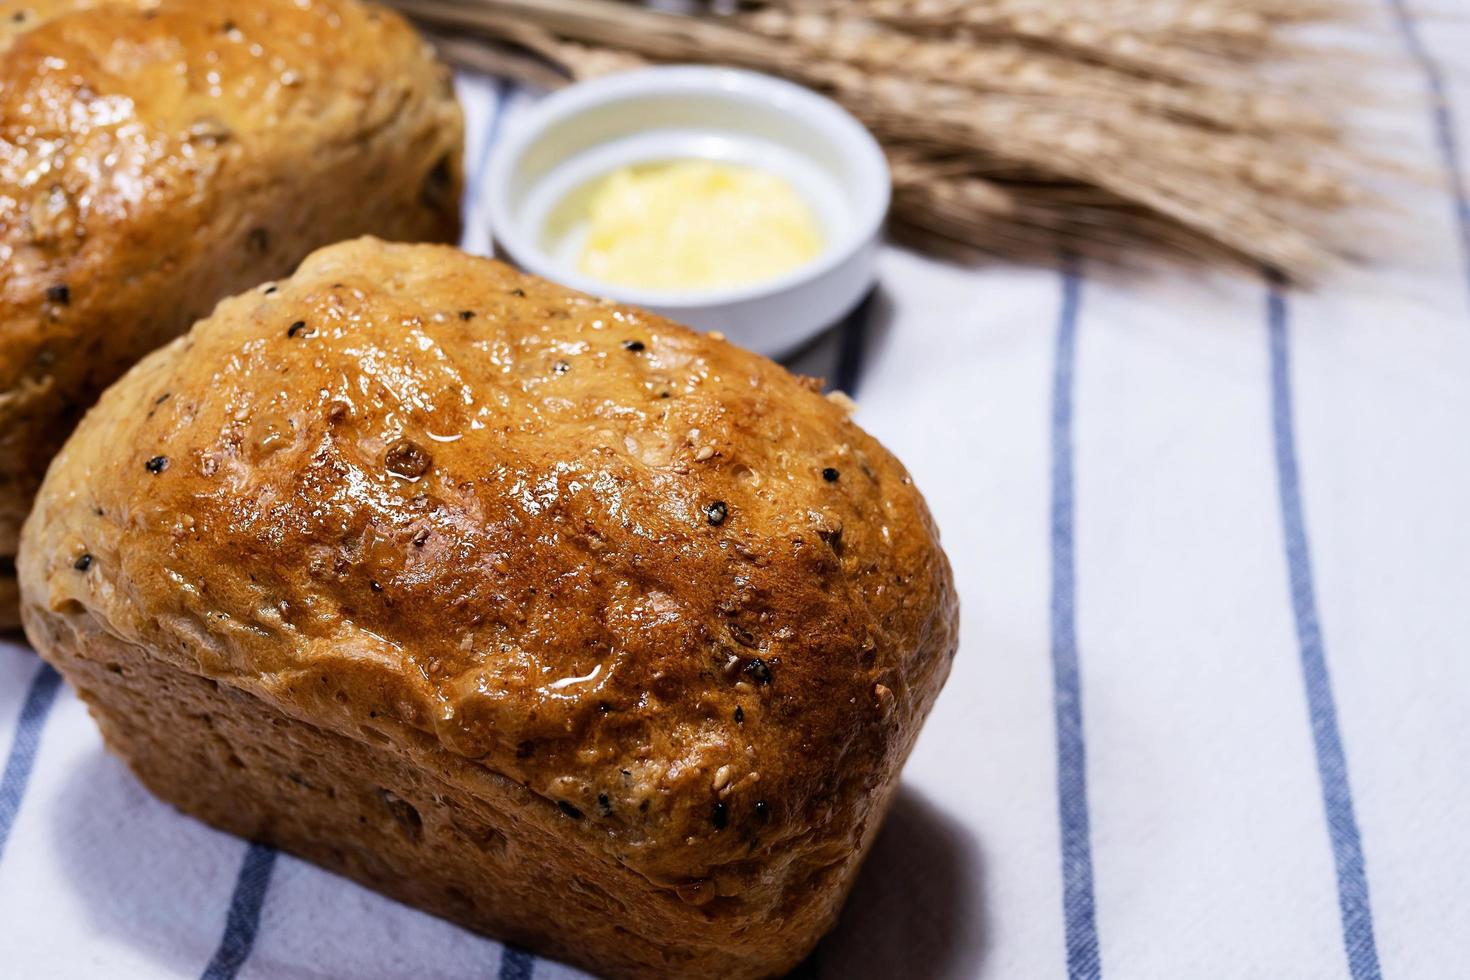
[1011,68]
[1020,127]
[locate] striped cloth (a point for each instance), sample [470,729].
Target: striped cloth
[1211,713]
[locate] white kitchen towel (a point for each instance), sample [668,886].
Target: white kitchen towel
[1211,711]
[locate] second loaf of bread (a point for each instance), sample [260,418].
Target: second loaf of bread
[159,155]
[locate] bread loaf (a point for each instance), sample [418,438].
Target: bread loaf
[158,156]
[544,614]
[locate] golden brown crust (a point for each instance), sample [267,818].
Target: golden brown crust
[655,580]
[157,156]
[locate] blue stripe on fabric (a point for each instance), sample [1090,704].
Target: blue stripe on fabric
[243,920]
[39,698]
[1083,959]
[1444,126]
[1342,825]
[852,344]
[516,964]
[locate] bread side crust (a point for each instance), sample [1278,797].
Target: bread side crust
[419,824]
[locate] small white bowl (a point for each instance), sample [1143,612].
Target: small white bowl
[564,143]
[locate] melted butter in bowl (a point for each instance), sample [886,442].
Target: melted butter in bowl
[695,224]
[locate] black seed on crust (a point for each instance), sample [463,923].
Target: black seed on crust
[757,670]
[407,459]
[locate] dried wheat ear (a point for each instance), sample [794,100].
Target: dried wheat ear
[1026,129]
